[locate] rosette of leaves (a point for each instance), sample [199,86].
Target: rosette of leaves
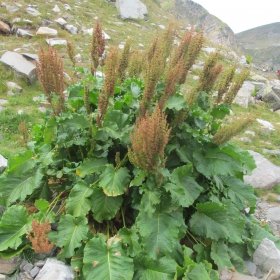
[186,218]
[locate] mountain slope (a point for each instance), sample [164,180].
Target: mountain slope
[216,31]
[263,43]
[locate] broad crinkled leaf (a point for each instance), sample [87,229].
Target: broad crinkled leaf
[21,163]
[241,194]
[235,224]
[220,256]
[106,260]
[259,233]
[159,232]
[113,182]
[199,272]
[104,207]
[90,166]
[237,262]
[215,162]
[46,154]
[210,221]
[176,102]
[149,200]
[118,117]
[220,111]
[78,202]
[131,238]
[149,269]
[75,122]
[71,232]
[13,188]
[184,190]
[13,226]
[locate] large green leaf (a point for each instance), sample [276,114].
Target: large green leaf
[21,163]
[131,239]
[104,207]
[220,256]
[90,166]
[241,194]
[150,199]
[71,232]
[75,122]
[13,225]
[118,117]
[199,272]
[176,102]
[114,181]
[210,221]
[184,190]
[46,154]
[159,232]
[78,203]
[214,162]
[149,269]
[13,188]
[235,224]
[106,260]
[50,132]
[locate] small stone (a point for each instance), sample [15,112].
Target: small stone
[67,7]
[13,87]
[32,12]
[251,267]
[71,28]
[266,124]
[3,102]
[61,21]
[56,9]
[23,33]
[39,263]
[53,42]
[20,112]
[2,277]
[42,109]
[8,266]
[273,214]
[161,26]
[263,205]
[34,271]
[46,31]
[27,268]
[23,263]
[3,165]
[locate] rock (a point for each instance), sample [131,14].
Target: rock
[42,109]
[11,9]
[53,42]
[251,268]
[54,269]
[30,56]
[90,31]
[34,271]
[32,11]
[2,277]
[45,22]
[209,50]
[56,9]
[46,31]
[121,46]
[61,21]
[265,176]
[226,274]
[3,102]
[273,152]
[23,33]
[8,266]
[243,60]
[3,165]
[27,267]
[14,88]
[21,65]
[4,27]
[267,256]
[67,7]
[250,132]
[71,28]
[259,78]
[244,94]
[276,90]
[273,214]
[133,9]
[161,26]
[266,124]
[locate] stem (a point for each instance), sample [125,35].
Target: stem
[195,239]
[123,217]
[108,229]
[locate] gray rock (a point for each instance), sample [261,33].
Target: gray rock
[71,28]
[11,9]
[209,50]
[42,109]
[262,205]
[161,26]
[273,152]
[53,42]
[273,214]
[45,23]
[266,175]
[21,65]
[23,33]
[244,94]
[251,267]
[46,31]
[56,9]
[61,21]
[226,274]
[3,102]
[3,165]
[67,7]
[34,271]
[2,277]
[54,269]
[276,90]
[267,256]
[243,60]
[259,78]
[27,267]
[30,56]
[8,266]
[32,11]
[39,263]
[133,9]
[266,124]
[4,27]
[24,276]
[14,88]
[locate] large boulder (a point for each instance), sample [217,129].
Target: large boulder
[266,175]
[244,94]
[21,65]
[133,9]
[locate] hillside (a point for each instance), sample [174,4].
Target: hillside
[216,31]
[262,43]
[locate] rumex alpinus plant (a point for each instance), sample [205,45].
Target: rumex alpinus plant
[142,183]
[51,77]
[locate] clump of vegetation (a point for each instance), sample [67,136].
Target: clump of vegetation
[131,171]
